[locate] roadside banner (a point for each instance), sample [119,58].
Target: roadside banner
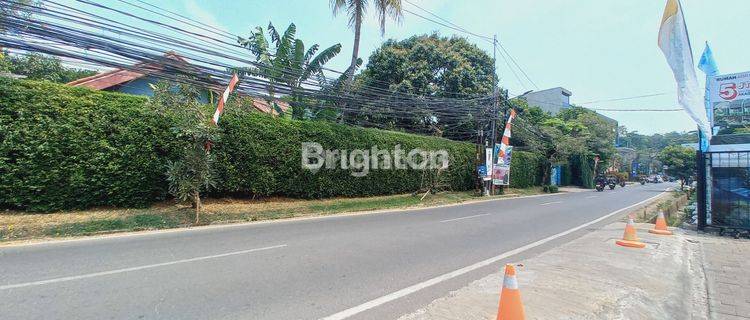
[501,170]
[675,44]
[707,64]
[729,96]
[505,141]
[501,175]
[488,163]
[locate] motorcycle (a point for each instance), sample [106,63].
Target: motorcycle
[600,186]
[643,181]
[612,185]
[622,184]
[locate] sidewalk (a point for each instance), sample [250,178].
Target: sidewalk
[728,276]
[592,278]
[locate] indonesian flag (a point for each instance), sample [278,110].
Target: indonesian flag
[224,97]
[505,141]
[675,44]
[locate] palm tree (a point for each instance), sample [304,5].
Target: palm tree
[290,65]
[356,10]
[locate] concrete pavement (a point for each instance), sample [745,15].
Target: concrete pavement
[592,278]
[375,266]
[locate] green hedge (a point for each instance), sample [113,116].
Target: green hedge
[72,148]
[63,147]
[261,155]
[526,169]
[582,171]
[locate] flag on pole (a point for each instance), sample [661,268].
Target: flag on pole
[505,141]
[224,97]
[675,44]
[707,64]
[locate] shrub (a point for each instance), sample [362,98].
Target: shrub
[63,147]
[261,155]
[526,169]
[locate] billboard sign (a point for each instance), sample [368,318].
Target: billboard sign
[729,96]
[501,170]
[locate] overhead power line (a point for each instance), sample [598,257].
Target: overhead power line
[628,98]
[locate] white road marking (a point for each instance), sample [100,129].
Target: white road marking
[419,286]
[105,273]
[589,197]
[549,203]
[467,217]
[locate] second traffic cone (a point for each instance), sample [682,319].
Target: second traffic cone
[630,239]
[661,226]
[511,307]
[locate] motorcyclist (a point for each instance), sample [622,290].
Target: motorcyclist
[600,179]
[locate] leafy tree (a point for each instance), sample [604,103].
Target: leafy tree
[41,67]
[680,162]
[356,10]
[193,172]
[431,66]
[17,9]
[600,134]
[289,65]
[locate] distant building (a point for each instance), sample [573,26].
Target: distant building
[554,100]
[551,100]
[139,83]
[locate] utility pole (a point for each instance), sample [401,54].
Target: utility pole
[493,113]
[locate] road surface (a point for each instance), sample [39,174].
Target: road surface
[371,266]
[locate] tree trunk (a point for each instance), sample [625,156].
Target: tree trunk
[355,55]
[355,51]
[197,205]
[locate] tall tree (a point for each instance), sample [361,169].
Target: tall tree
[41,67]
[15,9]
[356,10]
[289,65]
[429,66]
[680,162]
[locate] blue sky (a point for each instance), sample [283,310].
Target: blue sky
[598,49]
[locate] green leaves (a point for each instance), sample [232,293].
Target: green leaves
[680,161]
[289,66]
[64,147]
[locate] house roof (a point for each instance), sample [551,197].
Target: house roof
[108,79]
[117,76]
[264,106]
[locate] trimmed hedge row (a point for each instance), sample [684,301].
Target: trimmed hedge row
[73,148]
[262,155]
[63,147]
[526,169]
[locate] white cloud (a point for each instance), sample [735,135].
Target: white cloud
[197,13]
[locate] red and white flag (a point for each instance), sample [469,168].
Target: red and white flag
[505,141]
[224,97]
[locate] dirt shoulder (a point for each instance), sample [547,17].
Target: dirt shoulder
[22,226]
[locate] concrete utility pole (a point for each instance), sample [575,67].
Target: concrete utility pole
[493,113]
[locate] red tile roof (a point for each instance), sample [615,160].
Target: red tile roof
[118,76]
[114,77]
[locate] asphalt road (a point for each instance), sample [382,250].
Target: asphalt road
[372,266]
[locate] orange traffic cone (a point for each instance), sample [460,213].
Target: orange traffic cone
[661,226]
[511,307]
[630,239]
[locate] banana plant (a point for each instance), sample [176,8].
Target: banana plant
[288,66]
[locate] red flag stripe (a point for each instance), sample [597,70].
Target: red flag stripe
[224,98]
